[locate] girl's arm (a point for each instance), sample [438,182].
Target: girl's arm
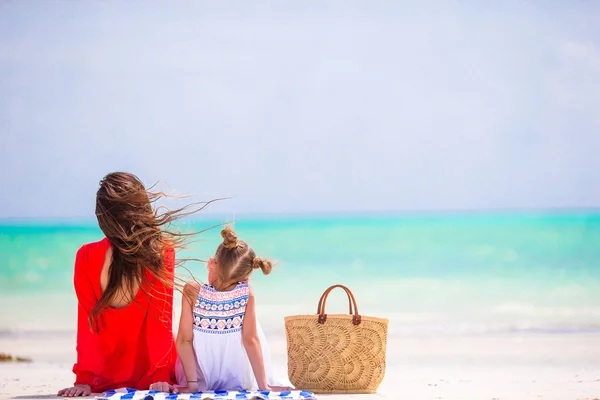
[185,336]
[252,343]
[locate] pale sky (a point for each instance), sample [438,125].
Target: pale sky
[305,106]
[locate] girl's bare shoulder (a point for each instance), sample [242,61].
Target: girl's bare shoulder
[191,289]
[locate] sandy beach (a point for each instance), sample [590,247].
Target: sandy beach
[522,366]
[529,366]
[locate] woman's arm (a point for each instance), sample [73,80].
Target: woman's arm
[252,343]
[88,355]
[159,326]
[185,336]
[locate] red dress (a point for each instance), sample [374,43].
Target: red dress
[131,346]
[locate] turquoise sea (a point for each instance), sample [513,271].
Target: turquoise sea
[429,273]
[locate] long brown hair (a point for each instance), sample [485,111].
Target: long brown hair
[236,260]
[138,233]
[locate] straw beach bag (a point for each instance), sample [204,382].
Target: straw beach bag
[336,353]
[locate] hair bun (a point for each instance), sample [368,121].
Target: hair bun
[230,239]
[265,265]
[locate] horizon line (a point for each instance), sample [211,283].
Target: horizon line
[348,213]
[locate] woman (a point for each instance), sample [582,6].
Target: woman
[124,285]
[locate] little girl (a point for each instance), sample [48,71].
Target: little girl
[220,344]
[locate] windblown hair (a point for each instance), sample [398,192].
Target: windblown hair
[236,260]
[138,233]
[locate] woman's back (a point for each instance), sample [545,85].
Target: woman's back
[131,346]
[125,293]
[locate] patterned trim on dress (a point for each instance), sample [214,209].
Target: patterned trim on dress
[220,312]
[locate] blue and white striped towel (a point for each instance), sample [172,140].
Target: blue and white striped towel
[132,394]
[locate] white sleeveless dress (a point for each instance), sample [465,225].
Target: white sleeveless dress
[221,359]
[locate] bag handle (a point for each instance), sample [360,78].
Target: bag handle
[326,293]
[353,306]
[351,300]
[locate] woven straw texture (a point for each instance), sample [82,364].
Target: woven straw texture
[336,356]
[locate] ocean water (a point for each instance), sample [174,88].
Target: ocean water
[428,273]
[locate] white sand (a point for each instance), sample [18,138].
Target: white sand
[561,367]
